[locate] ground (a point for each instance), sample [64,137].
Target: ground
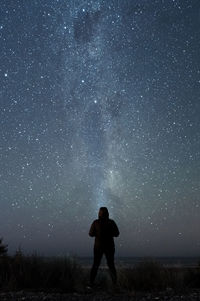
[191,295]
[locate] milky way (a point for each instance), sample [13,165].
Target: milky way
[100,106]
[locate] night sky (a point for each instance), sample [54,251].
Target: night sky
[100,106]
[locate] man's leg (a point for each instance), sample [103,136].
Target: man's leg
[97,260]
[109,253]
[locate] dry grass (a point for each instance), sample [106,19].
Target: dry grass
[66,275]
[36,273]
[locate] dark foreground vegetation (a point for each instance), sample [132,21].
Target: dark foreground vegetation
[35,273]
[37,278]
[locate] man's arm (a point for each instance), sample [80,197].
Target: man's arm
[115,230]
[92,231]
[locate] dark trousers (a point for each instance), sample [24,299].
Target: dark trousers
[98,253]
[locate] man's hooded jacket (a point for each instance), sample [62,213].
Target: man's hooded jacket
[104,229]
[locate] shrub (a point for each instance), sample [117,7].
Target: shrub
[148,275]
[3,248]
[34,272]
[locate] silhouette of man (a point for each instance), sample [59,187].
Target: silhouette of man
[103,229]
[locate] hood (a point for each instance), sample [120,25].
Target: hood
[103,213]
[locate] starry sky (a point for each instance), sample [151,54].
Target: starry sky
[100,106]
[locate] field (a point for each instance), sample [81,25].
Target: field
[37,278]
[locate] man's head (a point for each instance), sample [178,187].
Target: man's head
[103,212]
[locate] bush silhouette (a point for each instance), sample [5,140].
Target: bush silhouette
[3,248]
[39,273]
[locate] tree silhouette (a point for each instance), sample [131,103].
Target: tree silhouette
[3,248]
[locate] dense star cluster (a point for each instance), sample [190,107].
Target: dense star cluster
[100,106]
